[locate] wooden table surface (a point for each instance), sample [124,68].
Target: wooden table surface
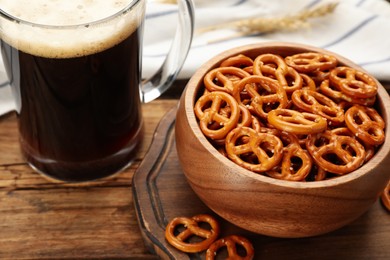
[40,219]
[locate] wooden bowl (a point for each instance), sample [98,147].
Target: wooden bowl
[270,206]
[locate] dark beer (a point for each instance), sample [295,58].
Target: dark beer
[79,116]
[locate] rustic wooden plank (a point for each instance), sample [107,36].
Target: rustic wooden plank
[21,176]
[69,223]
[41,219]
[9,146]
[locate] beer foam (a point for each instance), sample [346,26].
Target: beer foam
[86,30]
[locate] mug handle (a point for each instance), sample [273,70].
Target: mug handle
[161,81]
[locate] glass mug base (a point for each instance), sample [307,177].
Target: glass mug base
[84,171]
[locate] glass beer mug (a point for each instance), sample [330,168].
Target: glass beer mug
[75,71]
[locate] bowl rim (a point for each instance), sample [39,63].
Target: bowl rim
[196,82]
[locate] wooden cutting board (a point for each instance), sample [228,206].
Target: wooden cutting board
[161,193]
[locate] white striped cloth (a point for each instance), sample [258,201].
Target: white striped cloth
[6,100]
[357,29]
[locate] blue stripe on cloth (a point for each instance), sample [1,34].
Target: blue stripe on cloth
[351,32]
[360,2]
[240,2]
[3,84]
[312,3]
[374,62]
[159,14]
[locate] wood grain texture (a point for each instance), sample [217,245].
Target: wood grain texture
[161,192]
[40,219]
